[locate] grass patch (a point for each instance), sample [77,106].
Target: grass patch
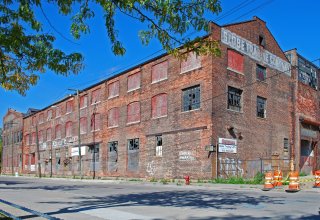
[258,179]
[164,181]
[135,180]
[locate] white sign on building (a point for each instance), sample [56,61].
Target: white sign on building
[227,145]
[252,50]
[75,151]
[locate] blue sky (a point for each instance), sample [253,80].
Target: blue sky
[294,24]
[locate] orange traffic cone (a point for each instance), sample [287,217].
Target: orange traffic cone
[268,181]
[277,177]
[317,179]
[293,182]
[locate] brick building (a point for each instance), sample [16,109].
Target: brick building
[12,150]
[307,114]
[159,118]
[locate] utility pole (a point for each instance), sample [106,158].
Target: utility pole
[38,151]
[79,140]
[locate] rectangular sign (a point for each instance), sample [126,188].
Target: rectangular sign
[75,151]
[227,145]
[252,50]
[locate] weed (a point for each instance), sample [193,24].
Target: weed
[153,180]
[164,181]
[302,174]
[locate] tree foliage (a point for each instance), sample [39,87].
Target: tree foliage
[26,50]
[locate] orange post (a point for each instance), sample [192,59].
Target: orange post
[277,177]
[317,179]
[268,181]
[293,182]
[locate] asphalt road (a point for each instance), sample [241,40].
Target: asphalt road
[117,200]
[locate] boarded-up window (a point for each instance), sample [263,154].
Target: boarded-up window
[159,71]
[58,132]
[33,141]
[235,61]
[49,138]
[134,81]
[159,105]
[69,107]
[95,96]
[113,117]
[34,121]
[40,136]
[41,118]
[95,122]
[58,111]
[113,89]
[83,101]
[69,129]
[133,112]
[27,139]
[190,63]
[83,125]
[49,115]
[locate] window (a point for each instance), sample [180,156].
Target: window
[191,98]
[113,146]
[307,73]
[33,141]
[113,117]
[33,121]
[95,122]
[159,146]
[134,81]
[49,115]
[159,72]
[58,132]
[28,141]
[41,118]
[40,136]
[159,105]
[49,138]
[113,89]
[234,99]
[190,63]
[95,96]
[261,107]
[58,111]
[69,107]
[83,125]
[133,144]
[133,112]
[235,61]
[69,129]
[286,146]
[261,73]
[262,41]
[83,101]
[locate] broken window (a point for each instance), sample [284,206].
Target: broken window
[307,73]
[261,73]
[133,144]
[235,61]
[234,99]
[191,98]
[159,146]
[113,146]
[261,107]
[159,72]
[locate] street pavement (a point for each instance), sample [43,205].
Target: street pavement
[124,200]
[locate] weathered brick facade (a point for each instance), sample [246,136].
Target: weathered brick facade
[156,119]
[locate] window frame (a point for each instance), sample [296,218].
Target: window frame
[129,77]
[159,148]
[190,101]
[235,93]
[240,70]
[133,144]
[260,101]
[109,88]
[113,146]
[264,70]
[156,65]
[190,55]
